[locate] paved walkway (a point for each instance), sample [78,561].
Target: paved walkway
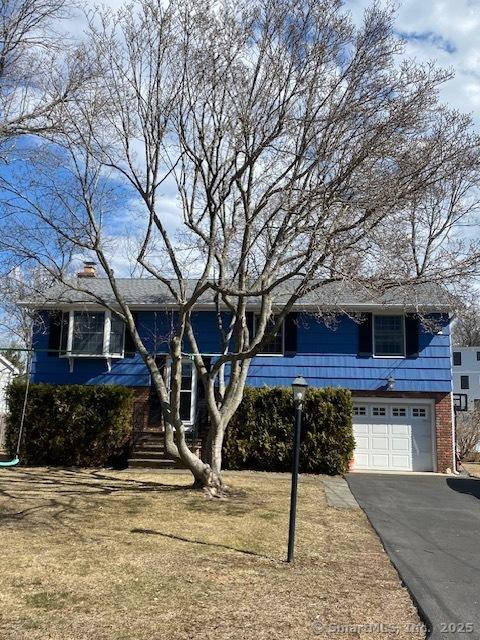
[430,527]
[338,493]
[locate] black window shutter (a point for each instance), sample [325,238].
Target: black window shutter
[54,333]
[365,346]
[412,327]
[291,327]
[64,322]
[129,344]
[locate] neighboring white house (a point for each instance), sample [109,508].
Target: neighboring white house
[466,377]
[7,372]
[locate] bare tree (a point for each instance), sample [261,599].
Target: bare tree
[16,322]
[39,69]
[301,151]
[466,328]
[468,432]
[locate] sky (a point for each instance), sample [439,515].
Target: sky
[447,31]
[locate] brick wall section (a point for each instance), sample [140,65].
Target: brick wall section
[443,421]
[443,424]
[141,407]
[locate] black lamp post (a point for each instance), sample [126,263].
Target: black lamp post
[299,386]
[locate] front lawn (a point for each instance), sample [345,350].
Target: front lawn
[473,468]
[104,555]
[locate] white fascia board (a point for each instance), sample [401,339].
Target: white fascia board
[307,308]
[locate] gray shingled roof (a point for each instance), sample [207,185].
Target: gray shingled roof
[151,292]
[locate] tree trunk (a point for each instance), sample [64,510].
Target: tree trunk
[205,477]
[216,445]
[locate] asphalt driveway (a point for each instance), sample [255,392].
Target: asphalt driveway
[430,527]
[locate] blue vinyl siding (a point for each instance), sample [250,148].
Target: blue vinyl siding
[328,357]
[325,356]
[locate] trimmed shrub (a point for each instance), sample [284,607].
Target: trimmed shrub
[260,435]
[70,425]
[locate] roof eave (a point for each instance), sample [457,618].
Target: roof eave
[311,308]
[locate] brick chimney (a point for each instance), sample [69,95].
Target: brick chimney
[89,270]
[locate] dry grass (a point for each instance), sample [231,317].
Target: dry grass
[97,555]
[473,468]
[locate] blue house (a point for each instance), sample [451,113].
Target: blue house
[393,353]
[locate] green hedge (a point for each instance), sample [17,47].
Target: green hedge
[71,425]
[260,434]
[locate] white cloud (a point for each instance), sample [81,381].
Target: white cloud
[445,31]
[442,30]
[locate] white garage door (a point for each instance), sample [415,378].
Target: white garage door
[393,436]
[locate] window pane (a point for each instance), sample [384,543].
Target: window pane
[389,336]
[117,329]
[275,346]
[185,405]
[186,376]
[460,401]
[419,413]
[457,358]
[359,411]
[88,333]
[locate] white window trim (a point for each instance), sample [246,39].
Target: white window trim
[106,339]
[193,399]
[396,357]
[270,355]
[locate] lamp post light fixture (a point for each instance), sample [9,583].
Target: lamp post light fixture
[299,387]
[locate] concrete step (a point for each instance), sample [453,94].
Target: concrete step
[151,440]
[155,434]
[141,449]
[159,463]
[147,454]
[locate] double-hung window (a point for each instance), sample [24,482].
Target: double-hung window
[188,390]
[389,335]
[276,346]
[92,334]
[187,395]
